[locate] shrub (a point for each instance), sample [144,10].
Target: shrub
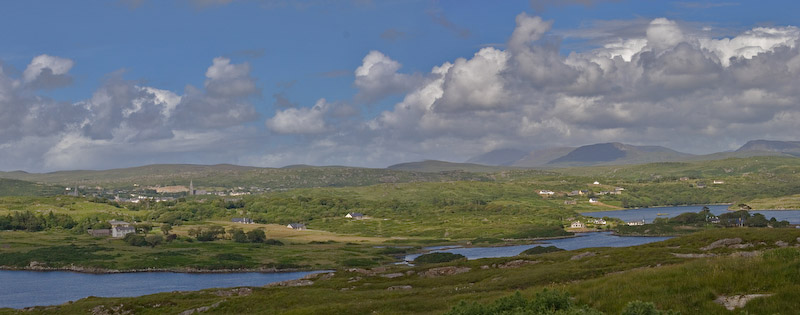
[432,258]
[153,240]
[273,241]
[135,240]
[238,236]
[359,262]
[541,250]
[256,236]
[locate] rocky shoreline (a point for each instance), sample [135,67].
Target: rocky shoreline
[35,266]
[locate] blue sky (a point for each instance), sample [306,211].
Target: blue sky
[291,94]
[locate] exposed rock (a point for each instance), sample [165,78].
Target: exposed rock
[737,301]
[517,263]
[113,310]
[740,246]
[378,270]
[582,255]
[410,272]
[354,279]
[393,275]
[746,254]
[693,255]
[722,243]
[291,283]
[232,292]
[361,271]
[399,287]
[781,243]
[444,271]
[485,267]
[201,309]
[320,276]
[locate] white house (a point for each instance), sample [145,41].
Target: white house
[593,200]
[719,182]
[546,192]
[596,183]
[296,226]
[597,221]
[242,220]
[121,228]
[354,215]
[577,225]
[632,223]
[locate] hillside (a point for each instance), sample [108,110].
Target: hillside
[539,158]
[13,187]
[501,157]
[617,153]
[789,147]
[235,176]
[442,166]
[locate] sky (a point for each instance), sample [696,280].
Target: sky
[112,84]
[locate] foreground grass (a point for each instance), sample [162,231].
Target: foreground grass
[606,281]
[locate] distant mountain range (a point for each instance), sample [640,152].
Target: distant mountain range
[616,153]
[298,176]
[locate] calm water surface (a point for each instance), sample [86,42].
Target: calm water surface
[20,289]
[648,214]
[583,240]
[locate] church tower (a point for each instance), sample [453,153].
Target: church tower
[191,188]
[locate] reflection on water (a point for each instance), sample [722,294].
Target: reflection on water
[20,289]
[583,240]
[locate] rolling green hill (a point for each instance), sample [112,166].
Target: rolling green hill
[238,176]
[13,187]
[431,166]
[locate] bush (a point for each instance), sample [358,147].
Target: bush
[547,302]
[153,240]
[135,240]
[432,258]
[359,262]
[273,241]
[541,250]
[640,308]
[256,236]
[238,236]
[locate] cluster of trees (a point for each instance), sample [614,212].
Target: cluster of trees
[28,221]
[238,235]
[745,218]
[252,236]
[151,240]
[730,219]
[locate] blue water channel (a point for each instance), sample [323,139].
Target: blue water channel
[648,214]
[582,240]
[20,289]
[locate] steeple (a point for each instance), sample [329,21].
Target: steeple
[191,188]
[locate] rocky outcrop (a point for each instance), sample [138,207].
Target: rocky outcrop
[393,275]
[582,256]
[722,243]
[201,309]
[399,287]
[444,271]
[693,255]
[737,301]
[291,283]
[517,263]
[234,292]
